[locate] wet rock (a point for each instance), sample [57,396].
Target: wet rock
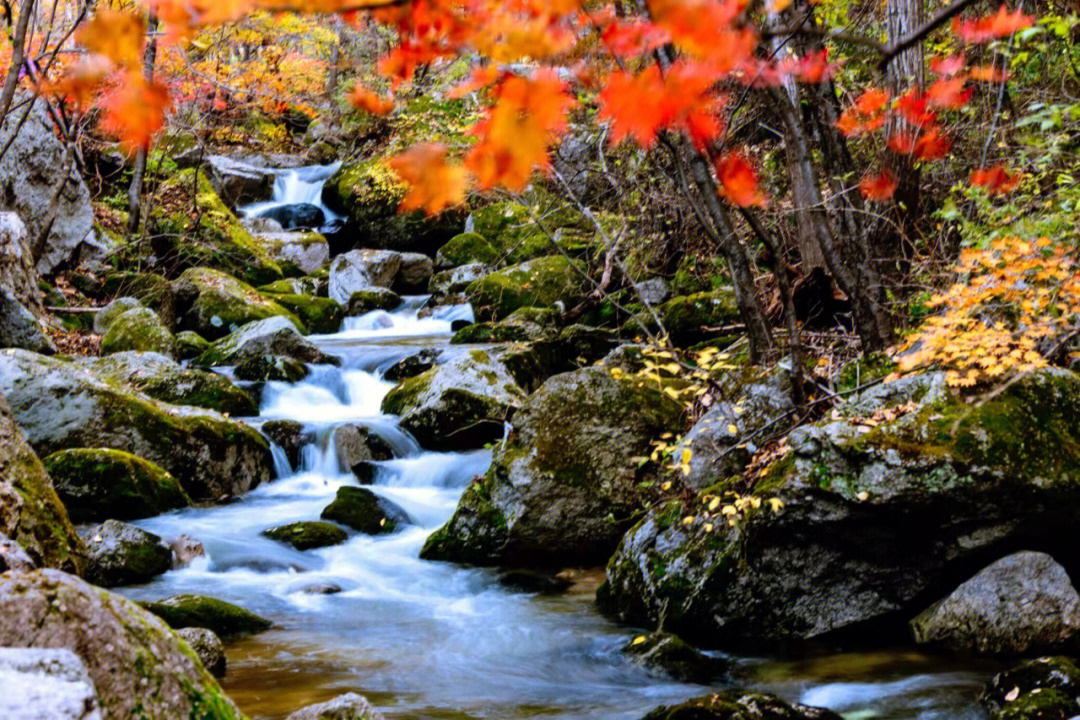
[42,684]
[545,282]
[534,582]
[298,216]
[308,534]
[104,317]
[13,557]
[275,336]
[238,181]
[207,646]
[96,484]
[412,365]
[31,515]
[668,654]
[362,302]
[327,588]
[456,280]
[164,379]
[290,436]
[185,549]
[1036,676]
[1040,705]
[362,270]
[934,486]
[61,406]
[320,315]
[365,512]
[271,368]
[139,329]
[739,705]
[355,446]
[414,274]
[122,554]
[224,619]
[690,319]
[125,649]
[568,482]
[349,706]
[190,345]
[214,304]
[460,404]
[19,328]
[1019,604]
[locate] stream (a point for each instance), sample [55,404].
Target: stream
[434,640]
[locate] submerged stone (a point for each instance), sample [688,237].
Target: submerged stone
[739,705]
[308,534]
[365,512]
[668,654]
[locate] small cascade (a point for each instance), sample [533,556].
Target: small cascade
[297,186]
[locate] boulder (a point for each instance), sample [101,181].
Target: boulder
[357,446]
[465,249]
[365,512]
[62,406]
[368,194]
[19,328]
[362,302]
[349,706]
[13,557]
[1020,604]
[207,646]
[739,705]
[308,534]
[691,319]
[122,554]
[320,315]
[104,317]
[139,329]
[1039,688]
[137,665]
[17,272]
[152,290]
[238,181]
[30,170]
[362,270]
[190,226]
[316,285]
[568,482]
[30,512]
[46,684]
[669,655]
[190,345]
[414,274]
[224,619]
[546,282]
[271,368]
[275,336]
[460,404]
[96,484]
[164,379]
[412,365]
[299,216]
[214,304]
[456,280]
[928,485]
[290,436]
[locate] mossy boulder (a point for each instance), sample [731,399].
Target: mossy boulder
[224,618]
[456,280]
[297,251]
[61,405]
[270,368]
[214,304]
[208,648]
[690,319]
[933,488]
[104,317]
[275,336]
[139,668]
[1017,693]
[1040,705]
[368,194]
[464,249]
[670,655]
[96,484]
[139,329]
[545,282]
[191,227]
[319,315]
[190,344]
[362,302]
[164,379]
[459,404]
[122,554]
[568,482]
[739,705]
[151,289]
[308,534]
[32,514]
[365,512]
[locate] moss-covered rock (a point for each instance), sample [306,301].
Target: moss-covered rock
[1040,705]
[1030,678]
[139,668]
[365,512]
[670,655]
[368,194]
[104,317]
[225,619]
[139,329]
[459,404]
[739,705]
[96,484]
[214,304]
[320,315]
[308,534]
[568,482]
[543,282]
[362,302]
[61,405]
[275,336]
[270,368]
[164,379]
[688,318]
[927,493]
[32,514]
[191,227]
[190,344]
[456,281]
[151,289]
[464,249]
[122,554]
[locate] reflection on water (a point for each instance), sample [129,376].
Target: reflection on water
[433,640]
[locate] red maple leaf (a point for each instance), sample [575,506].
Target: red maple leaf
[879,187]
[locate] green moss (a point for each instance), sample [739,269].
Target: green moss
[308,535]
[690,319]
[320,315]
[190,344]
[404,396]
[464,249]
[224,303]
[139,329]
[1040,705]
[44,529]
[542,282]
[362,510]
[225,619]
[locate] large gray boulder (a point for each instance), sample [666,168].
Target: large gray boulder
[138,666]
[19,328]
[349,706]
[306,251]
[275,336]
[362,270]
[61,405]
[122,554]
[17,272]
[568,482]
[1020,604]
[240,181]
[46,684]
[30,171]
[414,274]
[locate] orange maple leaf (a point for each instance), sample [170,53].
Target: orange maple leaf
[948,93]
[997,180]
[363,99]
[1001,24]
[115,34]
[739,180]
[434,184]
[135,110]
[879,187]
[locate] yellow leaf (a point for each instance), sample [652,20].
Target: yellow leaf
[638,640]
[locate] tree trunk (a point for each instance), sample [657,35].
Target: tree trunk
[136,188]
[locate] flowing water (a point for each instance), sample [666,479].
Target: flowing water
[433,640]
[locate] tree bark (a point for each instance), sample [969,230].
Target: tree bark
[18,50]
[137,178]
